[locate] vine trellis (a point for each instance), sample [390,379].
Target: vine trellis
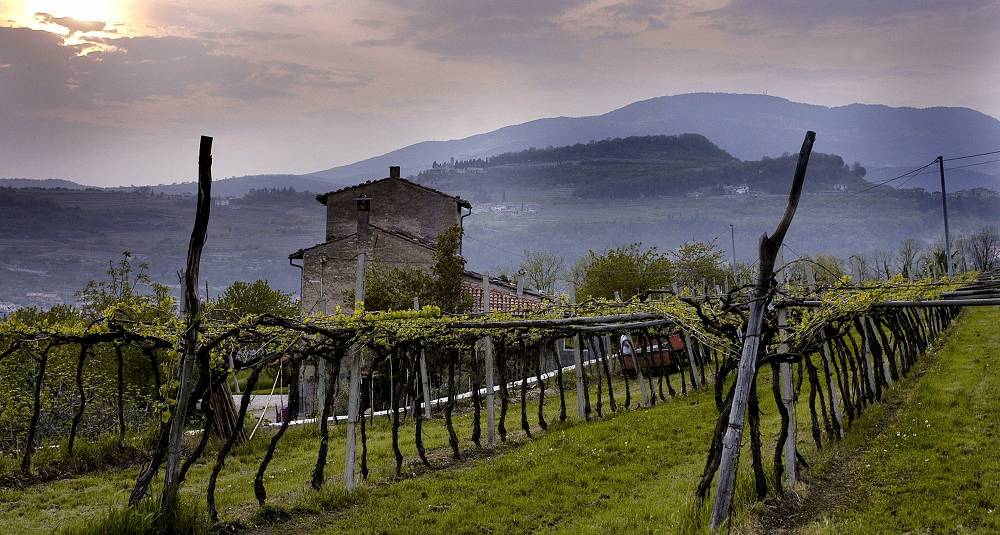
[845,344]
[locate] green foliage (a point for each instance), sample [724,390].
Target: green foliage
[629,270]
[144,519]
[395,287]
[255,298]
[694,262]
[448,271]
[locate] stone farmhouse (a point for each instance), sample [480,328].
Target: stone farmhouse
[398,222]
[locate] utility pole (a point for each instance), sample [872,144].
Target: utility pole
[944,206]
[732,236]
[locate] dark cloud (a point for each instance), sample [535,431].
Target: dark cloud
[746,16]
[282,8]
[42,75]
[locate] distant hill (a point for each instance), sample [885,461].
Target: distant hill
[632,167]
[48,183]
[746,126]
[239,186]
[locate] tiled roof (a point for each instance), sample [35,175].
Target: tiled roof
[459,200]
[413,238]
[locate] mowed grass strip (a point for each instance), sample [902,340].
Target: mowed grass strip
[935,466]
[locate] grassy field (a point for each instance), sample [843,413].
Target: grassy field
[927,461]
[634,471]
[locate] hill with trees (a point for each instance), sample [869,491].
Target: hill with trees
[631,167]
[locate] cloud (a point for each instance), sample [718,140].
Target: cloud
[44,76]
[71,24]
[750,16]
[248,36]
[282,8]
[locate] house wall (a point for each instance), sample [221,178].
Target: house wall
[395,205]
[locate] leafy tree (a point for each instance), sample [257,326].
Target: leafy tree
[253,298]
[629,270]
[448,272]
[542,270]
[829,269]
[130,285]
[694,262]
[393,288]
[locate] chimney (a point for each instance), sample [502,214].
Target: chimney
[364,213]
[393,171]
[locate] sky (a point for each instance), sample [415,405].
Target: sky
[117,92]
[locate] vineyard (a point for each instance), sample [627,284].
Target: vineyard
[841,346]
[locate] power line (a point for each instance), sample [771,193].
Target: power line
[972,155]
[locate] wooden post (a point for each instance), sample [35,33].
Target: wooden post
[643,387]
[768,251]
[354,388]
[192,310]
[869,361]
[578,360]
[696,376]
[834,393]
[491,424]
[788,400]
[810,277]
[425,381]
[886,372]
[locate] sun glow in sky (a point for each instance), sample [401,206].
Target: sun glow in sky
[100,10]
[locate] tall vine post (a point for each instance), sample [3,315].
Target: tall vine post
[354,388]
[762,294]
[189,340]
[491,424]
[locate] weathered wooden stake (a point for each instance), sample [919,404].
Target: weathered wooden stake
[354,387]
[695,375]
[425,381]
[768,251]
[192,309]
[580,391]
[788,400]
[491,418]
[643,387]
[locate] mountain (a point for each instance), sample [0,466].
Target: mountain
[746,126]
[631,167]
[48,183]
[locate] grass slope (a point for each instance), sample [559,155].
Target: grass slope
[931,466]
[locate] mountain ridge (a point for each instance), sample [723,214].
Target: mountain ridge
[747,126]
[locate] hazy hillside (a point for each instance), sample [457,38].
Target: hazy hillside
[746,126]
[632,167]
[48,183]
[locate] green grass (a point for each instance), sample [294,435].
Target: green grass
[618,459]
[933,465]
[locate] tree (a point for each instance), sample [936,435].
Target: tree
[983,247]
[128,284]
[829,269]
[254,298]
[542,270]
[909,251]
[448,272]
[882,261]
[695,262]
[628,270]
[395,287]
